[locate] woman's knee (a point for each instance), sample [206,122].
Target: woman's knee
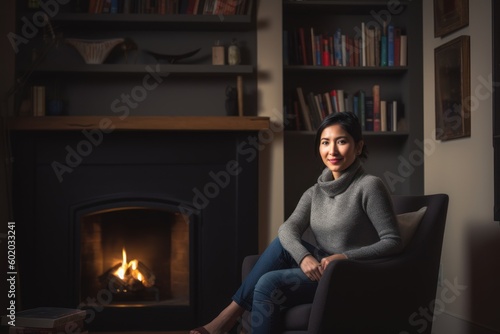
[270,288]
[266,286]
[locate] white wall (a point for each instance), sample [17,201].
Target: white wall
[463,168]
[270,94]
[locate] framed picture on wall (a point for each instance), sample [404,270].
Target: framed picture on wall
[452,80]
[449,16]
[496,110]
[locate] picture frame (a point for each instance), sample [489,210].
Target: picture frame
[452,86]
[450,16]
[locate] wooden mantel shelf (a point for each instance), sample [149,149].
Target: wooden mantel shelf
[142,123]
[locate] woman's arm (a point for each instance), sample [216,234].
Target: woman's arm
[377,204]
[291,231]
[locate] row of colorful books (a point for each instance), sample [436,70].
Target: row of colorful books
[305,111]
[366,46]
[190,7]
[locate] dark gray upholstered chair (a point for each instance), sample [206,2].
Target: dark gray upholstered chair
[378,296]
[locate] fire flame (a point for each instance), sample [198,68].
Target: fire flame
[120,272]
[130,269]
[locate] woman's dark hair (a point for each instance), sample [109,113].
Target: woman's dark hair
[349,122]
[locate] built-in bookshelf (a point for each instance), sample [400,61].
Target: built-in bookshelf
[163,67]
[354,56]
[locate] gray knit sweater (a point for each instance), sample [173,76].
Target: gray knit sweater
[352,215]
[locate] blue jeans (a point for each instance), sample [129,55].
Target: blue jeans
[276,281]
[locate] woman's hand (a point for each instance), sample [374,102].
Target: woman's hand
[326,260]
[311,267]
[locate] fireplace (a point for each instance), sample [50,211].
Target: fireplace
[140,254]
[175,202]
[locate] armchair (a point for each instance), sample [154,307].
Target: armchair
[390,295]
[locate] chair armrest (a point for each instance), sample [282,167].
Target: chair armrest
[397,286]
[247,265]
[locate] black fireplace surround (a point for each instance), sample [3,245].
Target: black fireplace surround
[209,177]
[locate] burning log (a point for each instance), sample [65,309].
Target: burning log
[133,279]
[130,279]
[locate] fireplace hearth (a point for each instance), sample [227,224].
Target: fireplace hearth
[183,205]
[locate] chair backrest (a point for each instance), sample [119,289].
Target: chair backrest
[431,229]
[381,295]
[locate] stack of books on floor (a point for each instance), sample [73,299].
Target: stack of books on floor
[46,320]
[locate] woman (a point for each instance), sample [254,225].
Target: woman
[350,215]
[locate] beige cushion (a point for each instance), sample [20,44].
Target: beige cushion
[408,223]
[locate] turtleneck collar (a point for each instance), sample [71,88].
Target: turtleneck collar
[333,187]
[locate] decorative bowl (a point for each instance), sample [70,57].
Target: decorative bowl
[94,51]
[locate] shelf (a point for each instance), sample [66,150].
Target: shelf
[365,133]
[156,21]
[339,7]
[152,18]
[139,123]
[163,69]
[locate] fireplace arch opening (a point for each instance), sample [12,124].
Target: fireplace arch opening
[139,252]
[154,243]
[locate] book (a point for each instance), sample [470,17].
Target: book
[348,102]
[363,45]
[29,330]
[335,102]
[340,100]
[38,100]
[321,105]
[195,7]
[383,51]
[201,7]
[383,45]
[368,113]
[317,49]
[239,88]
[304,110]
[325,60]
[337,47]
[350,51]
[397,46]
[314,110]
[69,327]
[92,6]
[303,46]
[114,7]
[378,37]
[328,102]
[246,7]
[361,107]
[331,49]
[191,6]
[46,317]
[394,116]
[313,47]
[370,46]
[390,45]
[376,107]
[403,51]
[356,53]
[383,115]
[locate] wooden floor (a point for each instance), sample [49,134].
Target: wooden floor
[142,332]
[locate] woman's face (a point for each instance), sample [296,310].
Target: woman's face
[338,149]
